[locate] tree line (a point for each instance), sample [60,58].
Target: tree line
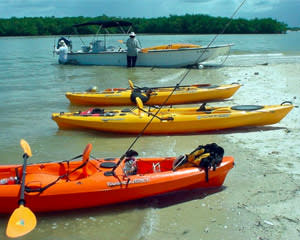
[173,24]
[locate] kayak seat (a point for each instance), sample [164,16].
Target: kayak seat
[39,182]
[97,111]
[202,108]
[83,172]
[146,166]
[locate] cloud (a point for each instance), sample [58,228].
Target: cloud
[282,10]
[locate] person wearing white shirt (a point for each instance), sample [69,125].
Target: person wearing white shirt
[133,47]
[62,51]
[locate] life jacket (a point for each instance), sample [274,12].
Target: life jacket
[141,93]
[205,157]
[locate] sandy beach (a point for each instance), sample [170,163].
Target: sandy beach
[260,195]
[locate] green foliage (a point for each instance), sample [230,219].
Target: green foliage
[294,28]
[187,24]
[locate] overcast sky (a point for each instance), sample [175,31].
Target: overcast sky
[287,11]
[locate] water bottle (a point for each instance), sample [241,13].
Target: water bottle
[6,181]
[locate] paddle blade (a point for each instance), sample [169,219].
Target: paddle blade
[21,222]
[139,103]
[131,84]
[26,147]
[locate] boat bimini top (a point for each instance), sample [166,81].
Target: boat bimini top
[100,45]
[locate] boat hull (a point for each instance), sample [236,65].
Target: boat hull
[153,58]
[182,95]
[98,189]
[173,120]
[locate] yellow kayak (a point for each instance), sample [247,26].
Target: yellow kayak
[155,95]
[173,120]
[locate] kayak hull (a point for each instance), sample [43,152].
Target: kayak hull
[173,120]
[182,95]
[96,189]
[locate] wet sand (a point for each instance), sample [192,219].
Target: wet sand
[261,194]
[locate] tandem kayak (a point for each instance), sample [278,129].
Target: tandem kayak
[154,95]
[173,120]
[85,182]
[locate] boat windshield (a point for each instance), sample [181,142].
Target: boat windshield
[103,30]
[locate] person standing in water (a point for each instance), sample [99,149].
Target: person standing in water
[62,51]
[133,47]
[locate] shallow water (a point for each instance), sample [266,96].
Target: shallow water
[32,86]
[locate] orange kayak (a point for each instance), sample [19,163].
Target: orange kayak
[74,184]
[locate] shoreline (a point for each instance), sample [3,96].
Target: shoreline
[260,194]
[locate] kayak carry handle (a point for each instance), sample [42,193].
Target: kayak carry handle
[286,102]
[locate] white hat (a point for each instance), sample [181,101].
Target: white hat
[61,42]
[132,34]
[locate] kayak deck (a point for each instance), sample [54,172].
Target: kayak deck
[172,120]
[158,96]
[66,189]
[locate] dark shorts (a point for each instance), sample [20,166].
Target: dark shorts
[131,60]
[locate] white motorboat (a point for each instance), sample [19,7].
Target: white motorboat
[172,55]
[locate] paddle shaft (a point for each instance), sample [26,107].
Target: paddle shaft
[22,198]
[118,163]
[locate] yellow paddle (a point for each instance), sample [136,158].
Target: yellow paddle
[131,84]
[139,103]
[22,220]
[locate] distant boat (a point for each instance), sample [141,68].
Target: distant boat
[172,55]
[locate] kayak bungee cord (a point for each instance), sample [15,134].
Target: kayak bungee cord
[112,172]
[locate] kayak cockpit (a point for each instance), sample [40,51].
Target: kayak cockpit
[41,175]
